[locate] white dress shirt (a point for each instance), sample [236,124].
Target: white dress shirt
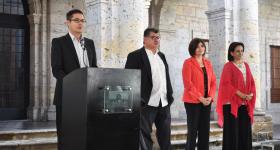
[159,91]
[80,52]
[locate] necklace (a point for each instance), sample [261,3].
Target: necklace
[239,65]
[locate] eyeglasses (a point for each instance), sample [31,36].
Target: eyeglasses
[78,20]
[155,37]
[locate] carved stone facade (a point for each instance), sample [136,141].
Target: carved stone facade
[117,26]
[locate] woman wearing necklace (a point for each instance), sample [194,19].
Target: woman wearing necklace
[236,101]
[199,92]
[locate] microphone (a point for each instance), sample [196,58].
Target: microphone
[82,42]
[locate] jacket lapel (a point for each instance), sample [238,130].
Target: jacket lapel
[88,49]
[146,63]
[208,71]
[71,47]
[163,60]
[195,63]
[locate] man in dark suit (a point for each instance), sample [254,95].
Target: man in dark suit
[156,90]
[68,53]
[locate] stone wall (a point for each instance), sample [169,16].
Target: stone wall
[269,30]
[117,28]
[56,27]
[180,21]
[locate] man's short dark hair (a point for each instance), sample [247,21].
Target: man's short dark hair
[232,47]
[70,13]
[194,44]
[149,30]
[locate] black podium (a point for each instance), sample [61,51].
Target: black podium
[101,109]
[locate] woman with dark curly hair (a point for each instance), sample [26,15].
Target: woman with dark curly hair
[236,100]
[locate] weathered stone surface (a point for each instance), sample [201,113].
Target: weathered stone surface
[265,118]
[180,21]
[269,33]
[262,128]
[117,28]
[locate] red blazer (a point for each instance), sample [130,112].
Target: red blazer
[193,79]
[231,81]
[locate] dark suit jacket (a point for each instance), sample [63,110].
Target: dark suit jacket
[64,60]
[139,60]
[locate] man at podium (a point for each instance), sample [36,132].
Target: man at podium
[70,52]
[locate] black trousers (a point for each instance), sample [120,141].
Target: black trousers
[198,122]
[58,126]
[162,119]
[237,132]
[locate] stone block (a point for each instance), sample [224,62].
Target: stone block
[273,145]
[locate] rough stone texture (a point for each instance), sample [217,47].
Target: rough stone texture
[258,28]
[219,37]
[37,109]
[269,29]
[46,21]
[263,118]
[262,128]
[237,21]
[249,35]
[180,21]
[117,27]
[57,11]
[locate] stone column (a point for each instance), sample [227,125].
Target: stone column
[249,35]
[219,37]
[155,8]
[132,25]
[44,71]
[235,21]
[147,5]
[40,103]
[97,12]
[33,108]
[219,16]
[117,28]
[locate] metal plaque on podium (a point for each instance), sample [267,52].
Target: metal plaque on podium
[101,109]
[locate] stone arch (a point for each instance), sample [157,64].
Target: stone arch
[35,6]
[154,13]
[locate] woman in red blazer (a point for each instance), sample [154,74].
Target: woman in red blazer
[236,101]
[199,92]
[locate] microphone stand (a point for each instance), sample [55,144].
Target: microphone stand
[82,41]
